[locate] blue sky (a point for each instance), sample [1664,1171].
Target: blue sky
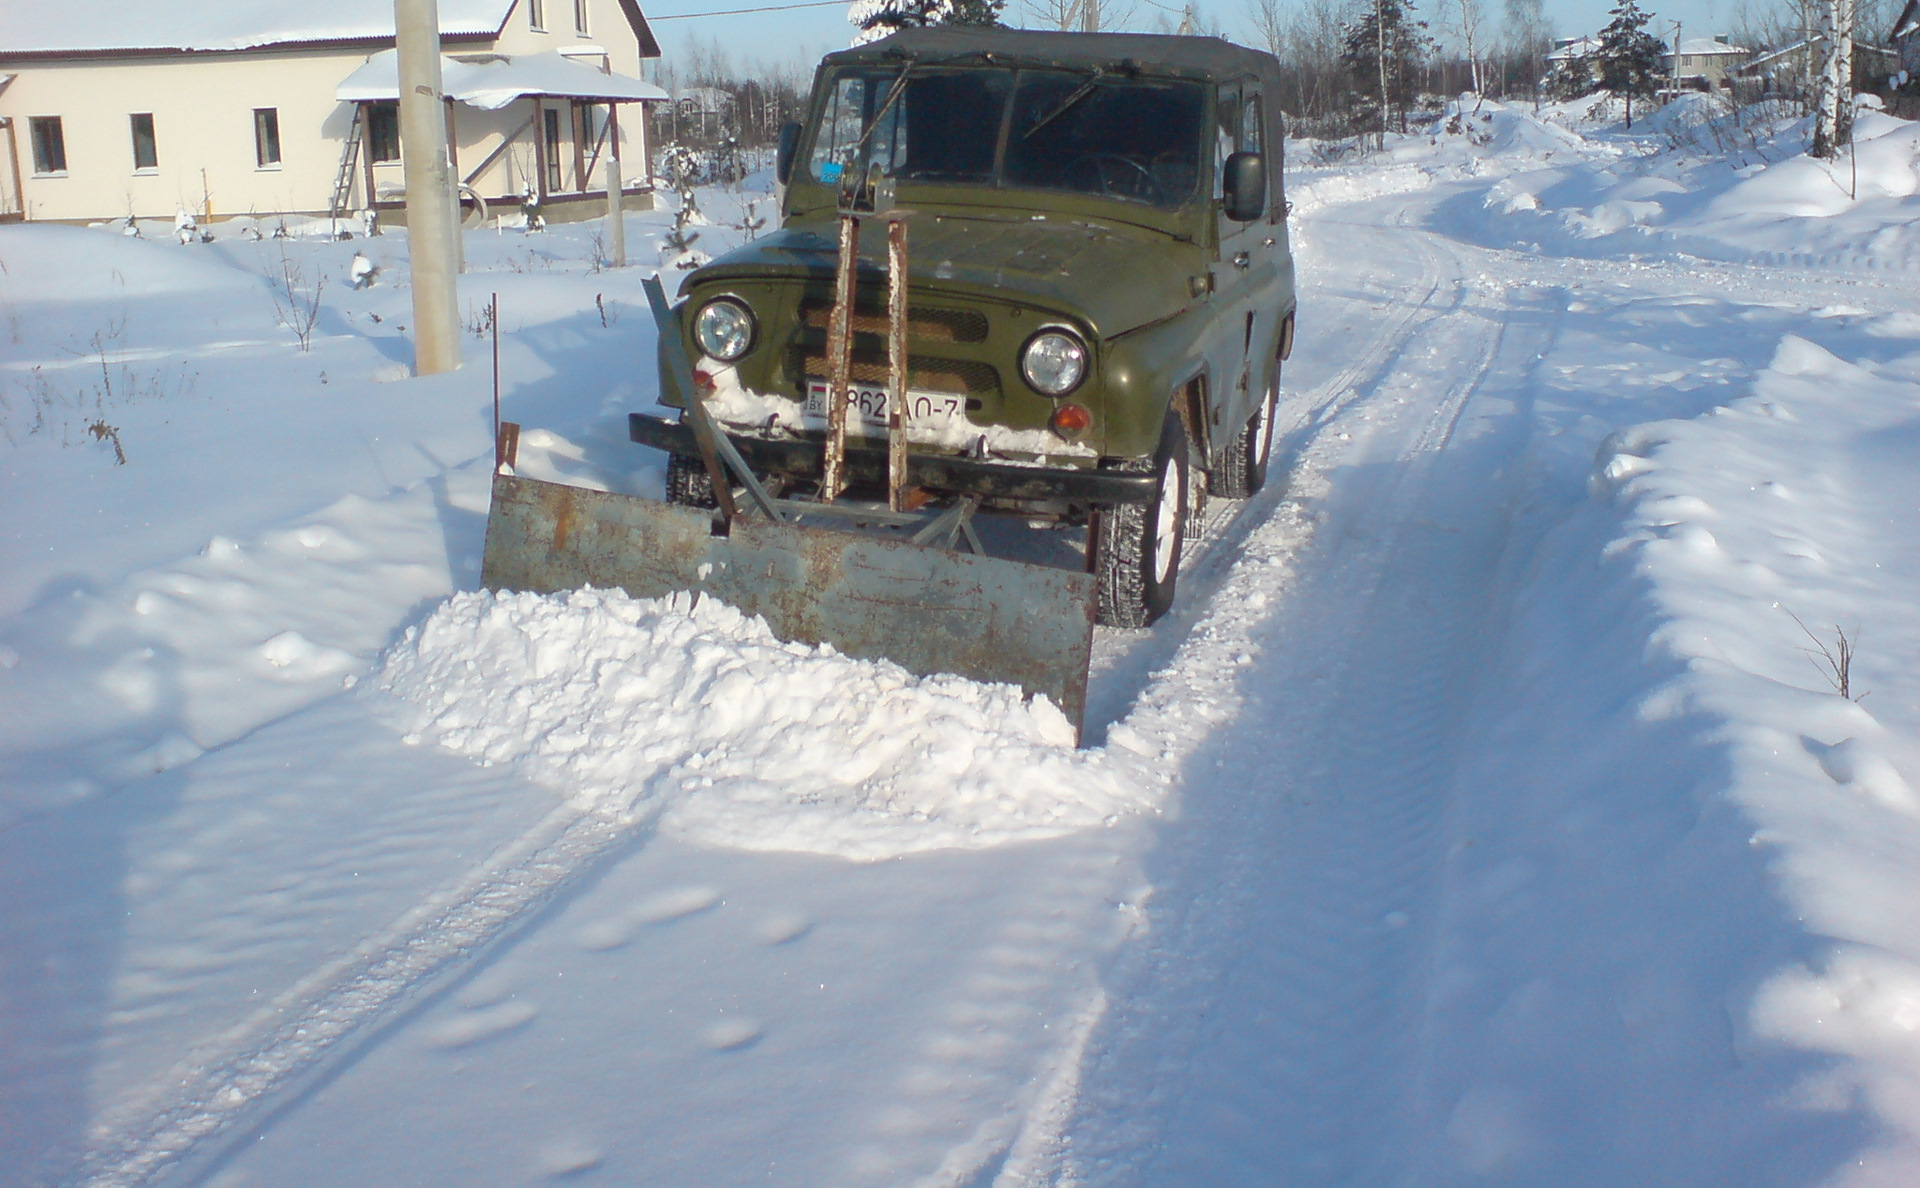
[805,34]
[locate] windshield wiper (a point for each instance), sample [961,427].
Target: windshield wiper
[1080,92]
[894,92]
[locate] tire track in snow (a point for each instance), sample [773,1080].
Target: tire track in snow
[1124,660]
[225,1085]
[1270,1027]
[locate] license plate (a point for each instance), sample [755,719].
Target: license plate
[925,410]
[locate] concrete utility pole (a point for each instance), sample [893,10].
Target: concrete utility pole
[433,227]
[616,211]
[1673,83]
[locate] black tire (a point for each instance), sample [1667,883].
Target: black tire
[1137,546]
[688,484]
[1242,470]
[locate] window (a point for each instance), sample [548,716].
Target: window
[266,136]
[550,121]
[1253,128]
[580,17]
[49,145]
[146,155]
[383,132]
[537,15]
[1134,139]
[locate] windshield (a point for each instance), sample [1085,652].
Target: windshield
[1133,139]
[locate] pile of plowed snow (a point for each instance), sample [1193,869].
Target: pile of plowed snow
[692,710]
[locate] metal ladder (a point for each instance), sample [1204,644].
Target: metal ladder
[349,162]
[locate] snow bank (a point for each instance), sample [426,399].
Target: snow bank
[693,710]
[1727,186]
[1798,501]
[1682,903]
[1470,138]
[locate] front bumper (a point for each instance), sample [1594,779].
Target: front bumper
[934,472]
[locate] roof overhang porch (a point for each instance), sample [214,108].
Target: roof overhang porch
[542,86]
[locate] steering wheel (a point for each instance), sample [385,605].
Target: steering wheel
[1119,176]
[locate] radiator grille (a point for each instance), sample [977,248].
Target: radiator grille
[928,325]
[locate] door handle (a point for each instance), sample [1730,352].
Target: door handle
[1242,260]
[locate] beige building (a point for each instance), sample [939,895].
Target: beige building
[1705,63]
[110,108]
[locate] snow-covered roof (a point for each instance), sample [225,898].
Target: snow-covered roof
[1760,62]
[1700,46]
[106,25]
[1576,47]
[491,81]
[1908,22]
[57,27]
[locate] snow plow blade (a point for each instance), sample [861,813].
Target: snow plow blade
[929,610]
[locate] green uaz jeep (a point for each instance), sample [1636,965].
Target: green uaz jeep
[1100,287]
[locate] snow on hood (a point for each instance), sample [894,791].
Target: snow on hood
[492,81]
[695,711]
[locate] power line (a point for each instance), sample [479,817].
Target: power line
[684,16]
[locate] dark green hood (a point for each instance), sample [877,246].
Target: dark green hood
[1114,278]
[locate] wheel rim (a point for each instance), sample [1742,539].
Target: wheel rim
[1166,520]
[1263,430]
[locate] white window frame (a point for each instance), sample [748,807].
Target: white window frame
[580,17]
[153,135]
[537,15]
[260,161]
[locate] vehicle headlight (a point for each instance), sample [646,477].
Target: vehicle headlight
[724,329]
[1054,362]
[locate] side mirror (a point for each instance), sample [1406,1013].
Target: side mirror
[789,141]
[1243,187]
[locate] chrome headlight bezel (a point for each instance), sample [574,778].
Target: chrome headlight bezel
[1051,346]
[727,342]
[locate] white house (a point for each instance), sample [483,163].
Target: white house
[231,107]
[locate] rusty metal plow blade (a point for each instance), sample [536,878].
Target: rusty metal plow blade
[927,608]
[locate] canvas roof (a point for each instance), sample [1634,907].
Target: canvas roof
[1153,53]
[54,28]
[492,81]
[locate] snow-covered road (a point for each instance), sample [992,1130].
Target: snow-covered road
[1447,837]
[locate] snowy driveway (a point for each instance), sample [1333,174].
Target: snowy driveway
[1435,890]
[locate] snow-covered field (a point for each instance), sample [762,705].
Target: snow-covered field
[1488,811]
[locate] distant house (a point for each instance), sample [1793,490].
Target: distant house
[1705,63]
[1792,69]
[1905,40]
[1575,62]
[110,108]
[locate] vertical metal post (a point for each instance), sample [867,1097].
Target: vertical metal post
[493,325]
[840,360]
[896,359]
[453,190]
[616,201]
[431,229]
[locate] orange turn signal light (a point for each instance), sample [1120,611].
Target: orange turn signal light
[1070,421]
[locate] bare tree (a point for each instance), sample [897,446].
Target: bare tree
[1467,19]
[1528,41]
[1088,16]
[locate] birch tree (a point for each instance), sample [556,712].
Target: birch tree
[1833,108]
[1468,17]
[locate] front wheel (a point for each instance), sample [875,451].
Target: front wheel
[1137,546]
[1243,464]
